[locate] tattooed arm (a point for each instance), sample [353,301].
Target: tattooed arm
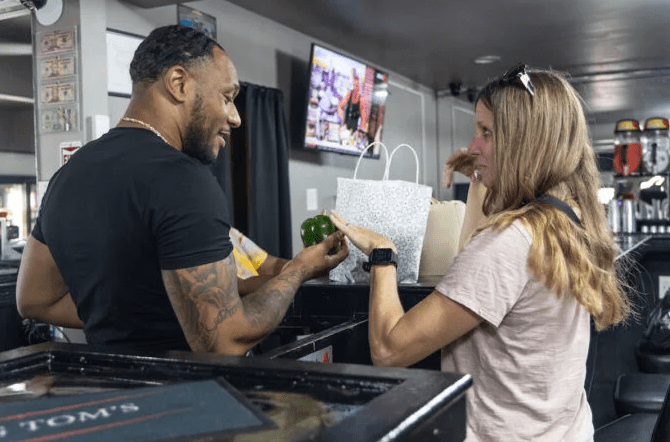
[270,268]
[213,316]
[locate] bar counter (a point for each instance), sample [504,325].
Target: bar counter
[334,314]
[322,297]
[285,400]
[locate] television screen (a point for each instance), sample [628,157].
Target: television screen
[345,103]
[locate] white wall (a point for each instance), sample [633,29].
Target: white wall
[455,129]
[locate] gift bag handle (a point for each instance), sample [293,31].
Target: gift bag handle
[386,152]
[390,159]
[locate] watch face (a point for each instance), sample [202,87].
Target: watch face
[382,255]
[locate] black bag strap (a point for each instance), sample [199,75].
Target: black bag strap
[560,205]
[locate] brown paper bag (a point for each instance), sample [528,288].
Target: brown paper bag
[440,243]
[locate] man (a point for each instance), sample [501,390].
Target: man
[351,109]
[133,230]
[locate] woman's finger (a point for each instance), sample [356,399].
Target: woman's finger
[339,221]
[447,175]
[334,216]
[449,169]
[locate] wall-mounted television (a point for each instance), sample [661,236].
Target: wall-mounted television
[345,105]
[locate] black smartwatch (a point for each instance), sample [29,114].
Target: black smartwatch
[381,257]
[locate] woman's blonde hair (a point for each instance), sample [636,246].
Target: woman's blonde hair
[541,146]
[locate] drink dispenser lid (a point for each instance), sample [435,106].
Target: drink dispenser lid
[627,125]
[656,123]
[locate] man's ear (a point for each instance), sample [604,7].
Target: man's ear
[177,81]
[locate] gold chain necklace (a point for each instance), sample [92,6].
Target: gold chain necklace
[147,125]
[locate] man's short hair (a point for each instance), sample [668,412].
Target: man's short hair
[168,46]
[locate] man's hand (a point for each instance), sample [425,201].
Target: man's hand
[461,161]
[315,260]
[364,239]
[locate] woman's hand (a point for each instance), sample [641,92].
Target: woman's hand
[364,239]
[461,161]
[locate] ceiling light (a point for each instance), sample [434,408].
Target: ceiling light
[487,59]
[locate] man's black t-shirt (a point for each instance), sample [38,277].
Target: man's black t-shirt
[351,114]
[121,209]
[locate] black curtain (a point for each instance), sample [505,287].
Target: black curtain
[253,170]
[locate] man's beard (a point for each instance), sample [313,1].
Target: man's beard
[196,143]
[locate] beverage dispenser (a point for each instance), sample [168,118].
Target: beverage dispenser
[627,147]
[655,146]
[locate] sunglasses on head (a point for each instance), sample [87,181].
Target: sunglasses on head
[519,71]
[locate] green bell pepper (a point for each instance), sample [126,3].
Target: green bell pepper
[316,229]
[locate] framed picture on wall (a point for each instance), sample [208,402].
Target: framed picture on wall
[59,119]
[56,42]
[58,93]
[56,68]
[121,48]
[195,19]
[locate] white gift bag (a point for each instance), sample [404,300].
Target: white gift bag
[394,208]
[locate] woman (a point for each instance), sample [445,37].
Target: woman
[514,308]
